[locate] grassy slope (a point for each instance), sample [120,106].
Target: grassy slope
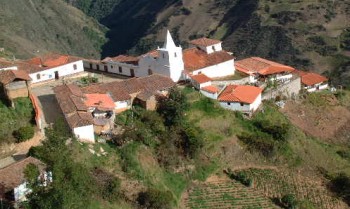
[42,26]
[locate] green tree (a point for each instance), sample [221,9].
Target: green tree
[173,107]
[24,133]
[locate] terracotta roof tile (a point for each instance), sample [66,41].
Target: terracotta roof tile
[261,66]
[123,59]
[79,119]
[72,102]
[195,59]
[100,101]
[211,89]
[200,78]
[153,53]
[13,175]
[156,82]
[237,93]
[7,76]
[310,79]
[205,42]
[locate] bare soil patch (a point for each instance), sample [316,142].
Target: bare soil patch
[322,122]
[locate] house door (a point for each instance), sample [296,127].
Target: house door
[90,66]
[98,66]
[132,73]
[106,68]
[56,75]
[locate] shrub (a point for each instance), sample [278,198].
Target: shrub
[289,201]
[340,185]
[155,199]
[24,133]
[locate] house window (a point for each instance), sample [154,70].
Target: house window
[242,104]
[213,47]
[199,72]
[228,103]
[38,76]
[75,66]
[163,56]
[150,72]
[175,54]
[120,69]
[111,66]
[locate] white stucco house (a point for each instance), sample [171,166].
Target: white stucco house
[13,185]
[211,91]
[241,98]
[260,69]
[312,82]
[52,67]
[205,56]
[72,103]
[200,80]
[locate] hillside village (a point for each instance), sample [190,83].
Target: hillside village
[90,110]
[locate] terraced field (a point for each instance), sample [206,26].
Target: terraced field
[275,184]
[226,194]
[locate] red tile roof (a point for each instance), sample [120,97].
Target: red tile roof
[195,59]
[205,42]
[237,93]
[72,103]
[153,53]
[211,89]
[310,79]
[200,78]
[123,59]
[48,61]
[100,101]
[121,90]
[13,175]
[261,66]
[7,76]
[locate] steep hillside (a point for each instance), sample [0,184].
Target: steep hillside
[30,27]
[311,35]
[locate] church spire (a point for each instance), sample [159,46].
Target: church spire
[169,42]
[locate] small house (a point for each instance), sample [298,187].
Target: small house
[246,99]
[199,81]
[13,185]
[312,82]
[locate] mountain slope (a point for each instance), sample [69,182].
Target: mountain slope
[29,27]
[310,35]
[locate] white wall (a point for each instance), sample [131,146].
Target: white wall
[209,95]
[122,104]
[9,68]
[20,192]
[220,70]
[63,70]
[314,88]
[145,63]
[85,133]
[217,47]
[113,67]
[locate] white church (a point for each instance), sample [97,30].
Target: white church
[205,56]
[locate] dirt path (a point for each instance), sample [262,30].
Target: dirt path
[23,148]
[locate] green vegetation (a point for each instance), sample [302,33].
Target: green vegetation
[13,119]
[34,28]
[24,133]
[85,81]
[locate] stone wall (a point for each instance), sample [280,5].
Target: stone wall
[289,89]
